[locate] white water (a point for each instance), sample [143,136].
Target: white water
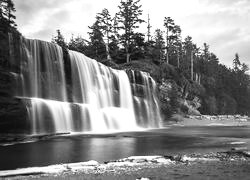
[92,98]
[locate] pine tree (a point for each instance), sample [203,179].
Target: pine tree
[175,45]
[78,44]
[106,27]
[128,19]
[159,45]
[206,52]
[189,48]
[138,45]
[97,43]
[236,63]
[169,25]
[59,39]
[7,25]
[7,17]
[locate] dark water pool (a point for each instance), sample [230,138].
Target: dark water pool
[173,140]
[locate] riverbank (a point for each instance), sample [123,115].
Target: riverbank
[188,152]
[222,165]
[208,120]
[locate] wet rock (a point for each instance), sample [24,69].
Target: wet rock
[246,153]
[13,116]
[238,149]
[238,153]
[142,178]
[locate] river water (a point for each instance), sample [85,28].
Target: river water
[104,147]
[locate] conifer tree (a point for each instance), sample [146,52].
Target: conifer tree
[188,48]
[159,45]
[106,27]
[128,19]
[169,25]
[236,63]
[97,43]
[175,45]
[78,44]
[7,17]
[59,39]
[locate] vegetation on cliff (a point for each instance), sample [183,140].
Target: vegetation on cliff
[12,111]
[188,77]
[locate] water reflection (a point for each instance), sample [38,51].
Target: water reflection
[107,147]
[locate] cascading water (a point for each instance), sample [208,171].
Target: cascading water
[96,98]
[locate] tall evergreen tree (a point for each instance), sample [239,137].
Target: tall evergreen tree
[236,62]
[128,19]
[59,39]
[175,45]
[7,17]
[138,45]
[78,44]
[106,27]
[97,44]
[188,63]
[7,25]
[159,45]
[169,25]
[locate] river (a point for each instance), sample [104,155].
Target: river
[104,147]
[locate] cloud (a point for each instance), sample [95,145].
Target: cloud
[225,2]
[36,18]
[223,24]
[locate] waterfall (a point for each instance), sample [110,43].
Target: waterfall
[90,97]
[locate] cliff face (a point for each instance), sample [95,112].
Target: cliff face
[13,112]
[13,115]
[176,94]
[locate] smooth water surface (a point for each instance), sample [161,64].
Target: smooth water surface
[77,148]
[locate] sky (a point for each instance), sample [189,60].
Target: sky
[223,24]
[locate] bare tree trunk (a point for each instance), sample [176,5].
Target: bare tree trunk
[149,26]
[199,79]
[128,58]
[192,66]
[127,55]
[167,47]
[178,59]
[107,51]
[167,56]
[196,77]
[107,47]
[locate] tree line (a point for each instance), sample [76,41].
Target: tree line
[117,39]
[7,25]
[223,90]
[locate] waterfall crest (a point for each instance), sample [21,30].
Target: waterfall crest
[91,97]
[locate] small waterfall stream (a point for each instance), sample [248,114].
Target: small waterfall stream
[91,98]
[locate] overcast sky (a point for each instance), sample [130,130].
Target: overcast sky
[223,24]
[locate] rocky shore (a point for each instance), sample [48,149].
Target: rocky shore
[222,165]
[209,120]
[221,117]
